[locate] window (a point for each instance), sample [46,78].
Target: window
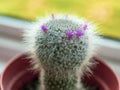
[105,12]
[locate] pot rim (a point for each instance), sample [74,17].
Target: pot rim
[113,72]
[26,53]
[8,64]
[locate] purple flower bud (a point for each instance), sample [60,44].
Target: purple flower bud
[85,26]
[44,28]
[53,16]
[79,33]
[70,34]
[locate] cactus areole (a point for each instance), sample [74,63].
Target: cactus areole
[62,46]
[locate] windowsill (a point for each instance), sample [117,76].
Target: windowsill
[11,37]
[13,28]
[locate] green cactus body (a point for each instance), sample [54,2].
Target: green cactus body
[62,46]
[65,82]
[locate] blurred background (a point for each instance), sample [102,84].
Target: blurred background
[15,15]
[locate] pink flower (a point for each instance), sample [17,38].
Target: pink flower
[70,34]
[79,33]
[44,28]
[85,26]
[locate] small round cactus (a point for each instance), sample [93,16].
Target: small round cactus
[62,46]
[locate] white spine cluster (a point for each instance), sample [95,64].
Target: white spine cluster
[63,46]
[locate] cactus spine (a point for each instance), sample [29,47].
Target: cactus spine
[62,46]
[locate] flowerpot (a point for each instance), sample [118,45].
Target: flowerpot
[17,73]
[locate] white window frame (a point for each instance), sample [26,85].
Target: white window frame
[110,49]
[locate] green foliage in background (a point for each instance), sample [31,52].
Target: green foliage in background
[105,12]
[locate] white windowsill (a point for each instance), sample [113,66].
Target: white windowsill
[110,49]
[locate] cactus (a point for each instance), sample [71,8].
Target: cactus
[62,46]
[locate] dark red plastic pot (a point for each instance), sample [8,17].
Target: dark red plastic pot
[17,73]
